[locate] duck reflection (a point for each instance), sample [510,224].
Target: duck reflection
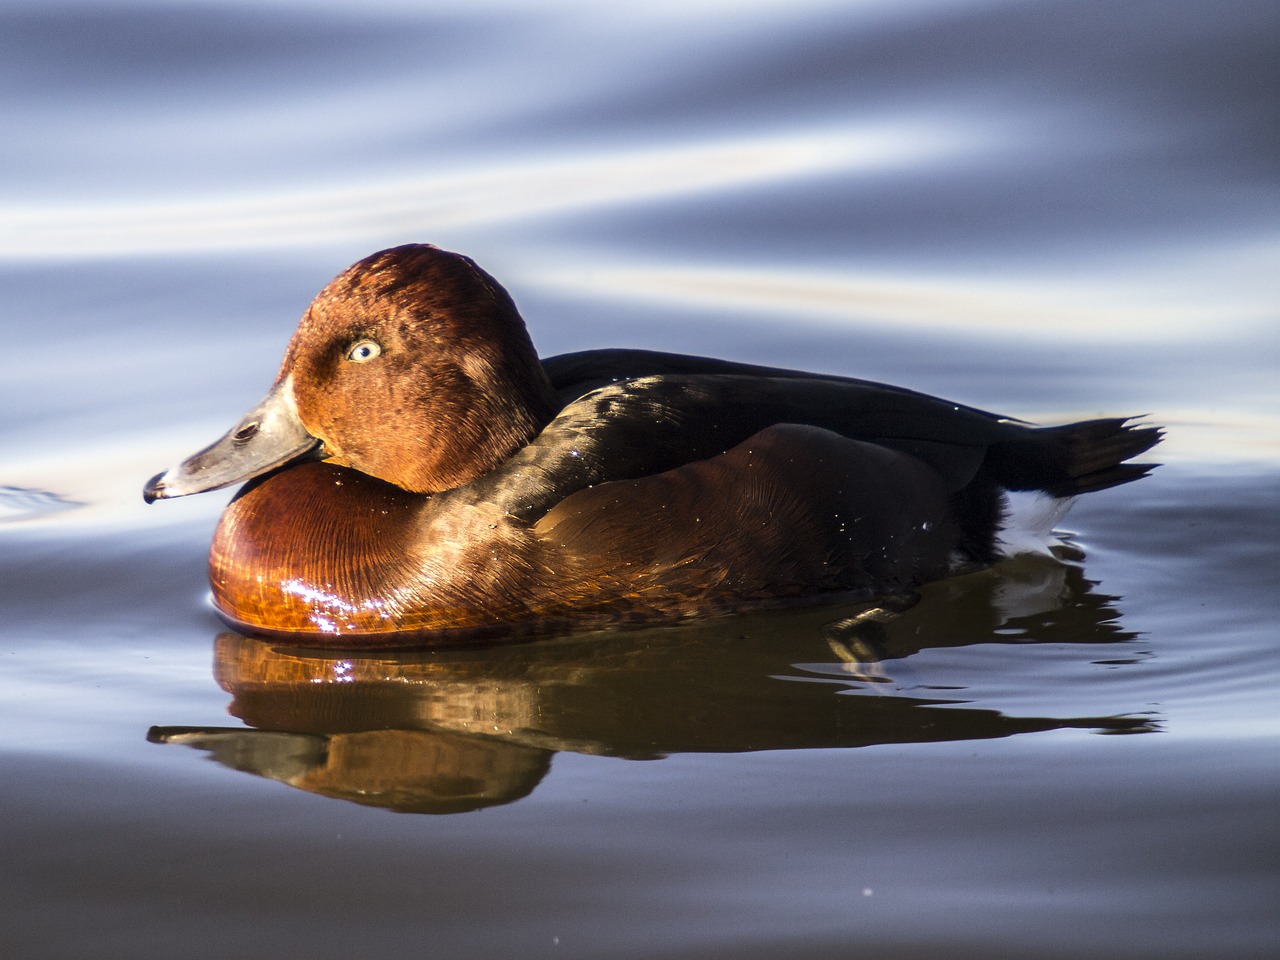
[449,730]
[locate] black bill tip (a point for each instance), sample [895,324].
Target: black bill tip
[154,489]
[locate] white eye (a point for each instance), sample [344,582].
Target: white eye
[362,351]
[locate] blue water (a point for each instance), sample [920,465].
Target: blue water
[1053,209]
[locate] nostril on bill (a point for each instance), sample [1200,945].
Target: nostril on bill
[246,433]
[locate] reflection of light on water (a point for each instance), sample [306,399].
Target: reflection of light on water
[102,478]
[1236,440]
[1166,295]
[24,503]
[411,205]
[666,9]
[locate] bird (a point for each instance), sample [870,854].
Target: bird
[417,475]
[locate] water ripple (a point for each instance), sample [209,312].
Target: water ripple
[21,503]
[463,197]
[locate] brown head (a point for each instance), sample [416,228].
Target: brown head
[412,366]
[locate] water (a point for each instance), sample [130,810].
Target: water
[1056,209]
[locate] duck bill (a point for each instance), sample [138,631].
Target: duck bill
[268,436]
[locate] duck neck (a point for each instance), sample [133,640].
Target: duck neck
[509,422]
[496,425]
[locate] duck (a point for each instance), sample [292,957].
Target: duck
[417,474]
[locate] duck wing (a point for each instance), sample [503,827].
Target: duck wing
[575,374]
[653,423]
[1062,461]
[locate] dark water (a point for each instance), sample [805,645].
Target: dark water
[1055,209]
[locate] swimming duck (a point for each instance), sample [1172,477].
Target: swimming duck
[417,473]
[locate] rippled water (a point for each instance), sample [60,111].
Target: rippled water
[1054,209]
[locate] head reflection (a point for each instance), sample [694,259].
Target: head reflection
[457,729]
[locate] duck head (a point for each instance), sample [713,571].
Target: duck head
[412,366]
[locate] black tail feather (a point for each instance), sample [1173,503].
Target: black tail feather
[1098,450]
[1075,458]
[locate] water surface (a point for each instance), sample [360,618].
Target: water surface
[1052,209]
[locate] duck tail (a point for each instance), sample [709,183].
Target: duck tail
[1077,457]
[1054,464]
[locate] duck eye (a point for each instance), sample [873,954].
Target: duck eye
[362,351]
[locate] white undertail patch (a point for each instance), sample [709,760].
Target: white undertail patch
[1030,517]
